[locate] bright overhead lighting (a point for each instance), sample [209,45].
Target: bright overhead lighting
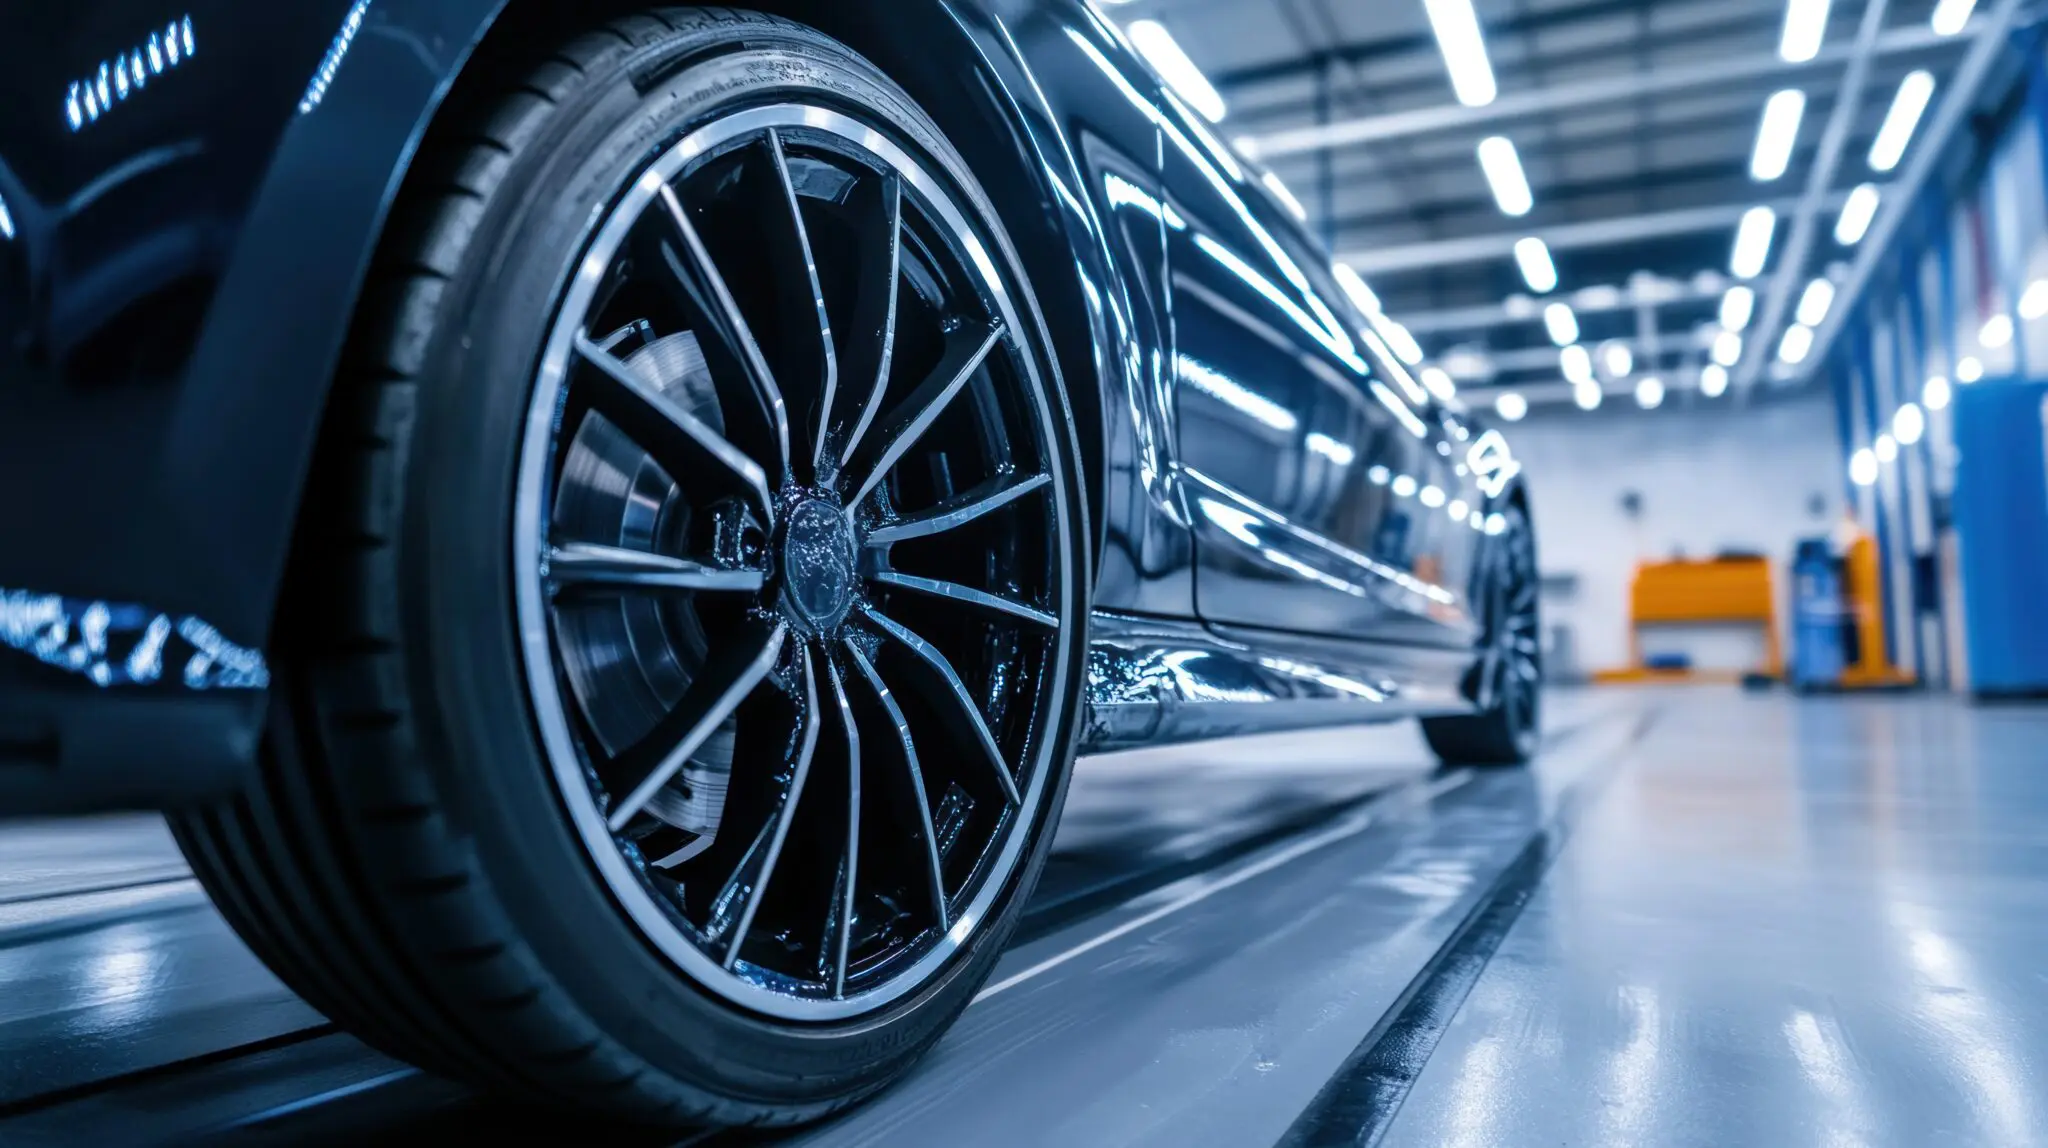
[1405,486]
[1562,324]
[1577,365]
[1857,212]
[1814,303]
[1777,134]
[1909,425]
[1737,306]
[1753,242]
[1887,448]
[1937,394]
[1806,25]
[1439,383]
[1533,256]
[1434,497]
[1618,359]
[1950,16]
[1511,406]
[1914,92]
[1970,369]
[1797,344]
[2034,301]
[1464,48]
[1588,396]
[1285,195]
[1650,393]
[1399,338]
[1164,53]
[1362,295]
[1727,348]
[1503,170]
[1863,468]
[1713,380]
[1997,332]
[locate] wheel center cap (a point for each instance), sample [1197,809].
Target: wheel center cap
[818,564]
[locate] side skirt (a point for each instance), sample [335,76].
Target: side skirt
[1155,682]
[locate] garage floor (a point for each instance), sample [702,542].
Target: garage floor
[1703,918]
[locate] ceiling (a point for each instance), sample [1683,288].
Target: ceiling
[1635,122]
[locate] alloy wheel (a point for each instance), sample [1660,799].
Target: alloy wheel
[795,545]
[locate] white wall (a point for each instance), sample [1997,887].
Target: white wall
[1712,477]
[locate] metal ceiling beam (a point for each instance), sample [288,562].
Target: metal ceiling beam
[1561,237]
[1792,258]
[1564,97]
[1988,40]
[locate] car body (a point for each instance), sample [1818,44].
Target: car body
[191,196]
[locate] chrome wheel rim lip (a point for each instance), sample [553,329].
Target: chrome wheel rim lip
[529,538]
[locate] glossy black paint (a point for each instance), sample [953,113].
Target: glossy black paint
[178,273]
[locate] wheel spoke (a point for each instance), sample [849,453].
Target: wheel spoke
[584,564]
[967,595]
[829,385]
[851,860]
[958,511]
[934,867]
[749,883]
[968,713]
[725,681]
[874,322]
[967,348]
[721,313]
[655,420]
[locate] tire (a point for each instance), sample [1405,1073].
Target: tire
[495,835]
[1510,676]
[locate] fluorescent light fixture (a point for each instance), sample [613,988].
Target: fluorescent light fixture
[1379,475]
[2034,301]
[1159,48]
[1439,383]
[1970,369]
[1897,131]
[1713,380]
[1727,349]
[1936,394]
[1286,197]
[1863,468]
[1400,338]
[1814,303]
[6,222]
[1909,425]
[1753,242]
[1997,332]
[1458,509]
[1806,25]
[1618,360]
[1362,295]
[1511,406]
[1857,212]
[1737,307]
[1887,448]
[1405,486]
[1577,365]
[1561,323]
[1464,48]
[1496,524]
[1533,256]
[1503,170]
[1650,393]
[1797,344]
[1588,396]
[1777,134]
[1434,497]
[1950,16]
[1339,453]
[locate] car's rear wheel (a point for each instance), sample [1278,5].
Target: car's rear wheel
[1509,676]
[678,682]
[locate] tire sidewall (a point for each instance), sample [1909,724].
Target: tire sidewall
[462,604]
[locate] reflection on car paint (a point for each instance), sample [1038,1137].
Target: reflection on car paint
[112,644]
[330,64]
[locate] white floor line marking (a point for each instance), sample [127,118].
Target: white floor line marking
[1299,849]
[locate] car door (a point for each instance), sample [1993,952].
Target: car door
[1306,445]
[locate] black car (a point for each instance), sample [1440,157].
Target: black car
[605,528]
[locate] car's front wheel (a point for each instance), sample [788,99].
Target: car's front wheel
[1509,676]
[678,681]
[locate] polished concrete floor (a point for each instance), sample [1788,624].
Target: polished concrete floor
[1703,918]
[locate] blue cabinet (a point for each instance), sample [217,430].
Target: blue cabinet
[2001,518]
